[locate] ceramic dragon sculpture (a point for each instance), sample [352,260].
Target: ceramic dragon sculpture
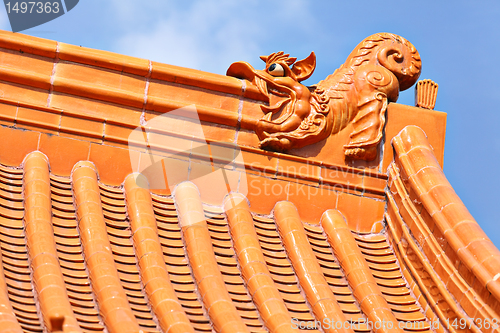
[357,93]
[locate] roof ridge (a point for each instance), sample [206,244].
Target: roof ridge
[127,64]
[429,186]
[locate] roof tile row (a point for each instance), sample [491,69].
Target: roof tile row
[422,172]
[129,280]
[47,276]
[445,267]
[305,264]
[357,272]
[153,270]
[254,271]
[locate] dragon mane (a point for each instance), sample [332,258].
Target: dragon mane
[336,85]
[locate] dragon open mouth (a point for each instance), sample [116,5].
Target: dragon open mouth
[278,92]
[272,88]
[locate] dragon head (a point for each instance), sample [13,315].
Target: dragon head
[281,78]
[281,75]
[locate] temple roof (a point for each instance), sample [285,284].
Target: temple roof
[119,212]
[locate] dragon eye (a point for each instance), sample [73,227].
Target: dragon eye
[276,70]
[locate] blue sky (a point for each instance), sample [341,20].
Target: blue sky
[459,43]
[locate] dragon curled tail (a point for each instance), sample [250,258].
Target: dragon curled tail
[358,93]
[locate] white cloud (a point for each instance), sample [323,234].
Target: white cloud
[163,44]
[207,35]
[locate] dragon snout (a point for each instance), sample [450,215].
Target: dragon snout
[241,70]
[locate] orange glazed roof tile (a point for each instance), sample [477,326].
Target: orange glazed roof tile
[120,213]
